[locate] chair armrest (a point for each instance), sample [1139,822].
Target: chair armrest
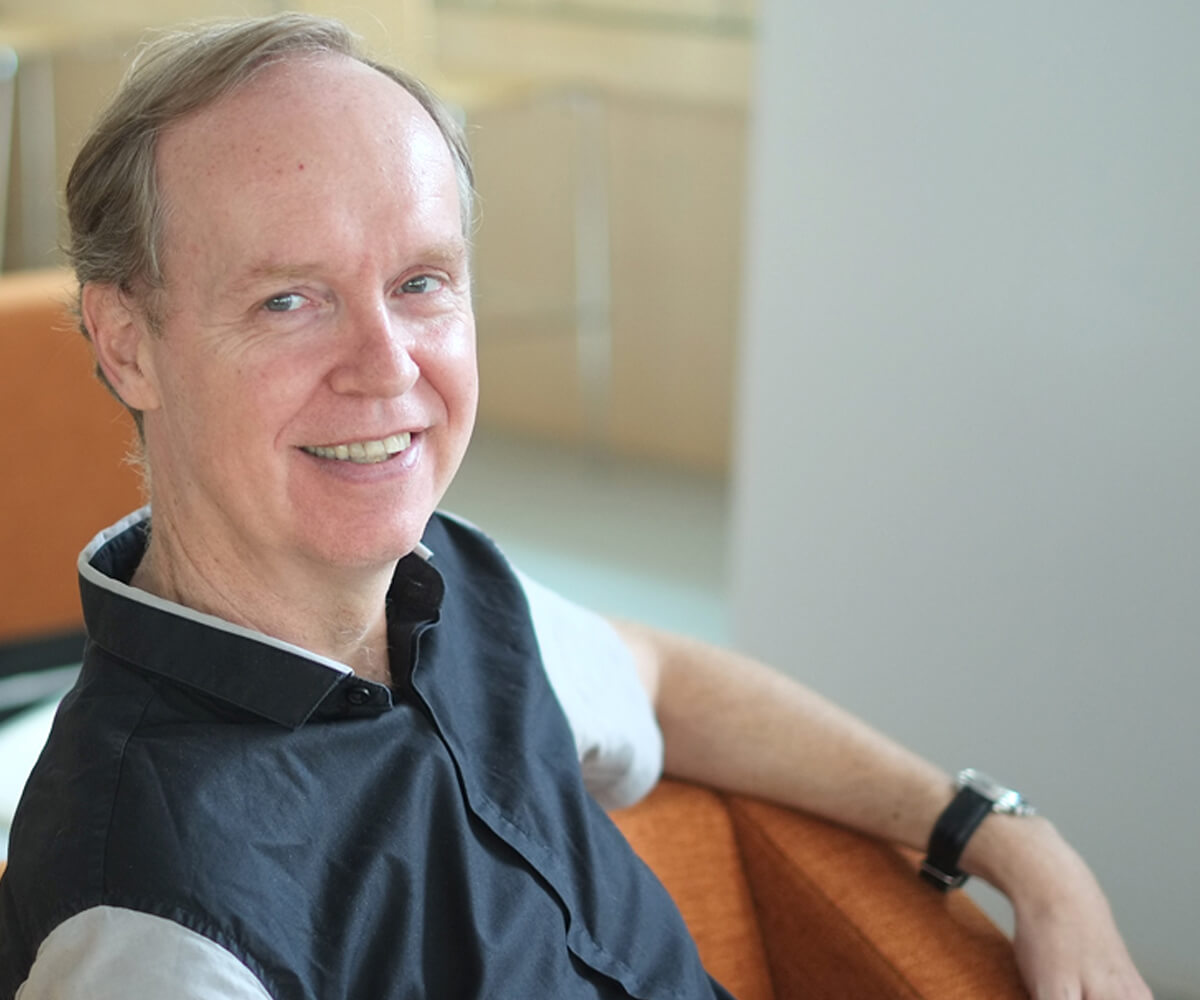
[843,915]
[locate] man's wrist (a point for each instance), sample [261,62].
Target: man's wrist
[1009,852]
[976,798]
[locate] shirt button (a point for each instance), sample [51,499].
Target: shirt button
[358,694]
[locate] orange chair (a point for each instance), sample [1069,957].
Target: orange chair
[784,905]
[62,453]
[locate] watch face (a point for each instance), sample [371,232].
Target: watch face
[1009,801]
[1005,800]
[985,785]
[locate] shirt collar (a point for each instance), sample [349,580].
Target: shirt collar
[269,677]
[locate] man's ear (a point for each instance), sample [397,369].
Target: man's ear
[121,337]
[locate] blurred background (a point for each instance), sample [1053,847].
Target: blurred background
[862,336]
[609,138]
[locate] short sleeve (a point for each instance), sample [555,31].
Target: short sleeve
[111,953]
[595,678]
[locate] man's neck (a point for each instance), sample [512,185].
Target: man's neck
[337,614]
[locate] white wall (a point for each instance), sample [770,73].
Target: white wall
[967,498]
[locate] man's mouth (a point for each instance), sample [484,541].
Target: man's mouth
[363,452]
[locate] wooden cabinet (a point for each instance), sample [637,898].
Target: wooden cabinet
[607,271]
[608,253]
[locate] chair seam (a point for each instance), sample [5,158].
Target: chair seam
[728,805]
[744,825]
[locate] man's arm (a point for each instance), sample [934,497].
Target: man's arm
[730,722]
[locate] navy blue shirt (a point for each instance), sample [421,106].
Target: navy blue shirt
[336,837]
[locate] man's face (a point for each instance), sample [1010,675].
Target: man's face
[315,373]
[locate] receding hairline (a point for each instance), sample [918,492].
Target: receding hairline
[290,59]
[221,57]
[400,112]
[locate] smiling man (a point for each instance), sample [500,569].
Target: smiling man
[326,742]
[308,387]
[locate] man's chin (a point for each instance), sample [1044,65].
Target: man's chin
[368,551]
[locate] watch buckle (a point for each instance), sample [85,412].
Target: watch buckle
[945,881]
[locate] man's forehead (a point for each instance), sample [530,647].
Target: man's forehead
[314,167]
[302,134]
[293,100]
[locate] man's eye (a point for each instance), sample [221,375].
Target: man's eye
[422,284]
[287,302]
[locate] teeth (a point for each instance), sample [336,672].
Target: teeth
[363,452]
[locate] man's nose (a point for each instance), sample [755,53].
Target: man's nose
[375,353]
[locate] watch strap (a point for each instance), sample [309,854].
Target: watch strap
[949,838]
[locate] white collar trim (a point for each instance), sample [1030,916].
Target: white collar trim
[94,576]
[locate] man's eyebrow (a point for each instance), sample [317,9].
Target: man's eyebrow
[268,271]
[451,252]
[447,254]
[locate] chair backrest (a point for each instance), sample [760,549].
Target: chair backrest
[63,455]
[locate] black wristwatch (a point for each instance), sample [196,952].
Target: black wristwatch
[977,796]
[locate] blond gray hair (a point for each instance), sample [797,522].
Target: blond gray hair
[114,208]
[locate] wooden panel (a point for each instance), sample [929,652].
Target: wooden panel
[84,79]
[529,379]
[525,268]
[398,31]
[699,11]
[677,177]
[687,65]
[525,176]
[671,181]
[81,19]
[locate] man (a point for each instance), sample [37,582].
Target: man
[325,742]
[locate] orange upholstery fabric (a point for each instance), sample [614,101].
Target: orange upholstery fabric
[828,913]
[686,835]
[62,450]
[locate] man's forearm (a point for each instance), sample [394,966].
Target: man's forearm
[733,723]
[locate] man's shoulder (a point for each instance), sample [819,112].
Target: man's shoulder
[478,576]
[59,837]
[125,753]
[64,810]
[127,822]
